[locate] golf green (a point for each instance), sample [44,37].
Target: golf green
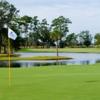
[70,82]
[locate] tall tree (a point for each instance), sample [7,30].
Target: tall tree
[85,38]
[25,23]
[97,39]
[61,24]
[8,13]
[71,40]
[35,30]
[55,36]
[44,32]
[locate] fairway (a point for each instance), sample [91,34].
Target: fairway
[70,82]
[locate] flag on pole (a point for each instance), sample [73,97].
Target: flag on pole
[11,34]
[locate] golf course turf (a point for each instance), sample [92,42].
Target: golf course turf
[75,50]
[70,82]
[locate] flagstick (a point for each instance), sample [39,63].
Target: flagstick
[12,35]
[9,63]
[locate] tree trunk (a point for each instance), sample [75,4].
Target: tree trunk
[57,49]
[57,53]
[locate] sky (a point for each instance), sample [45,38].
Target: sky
[84,14]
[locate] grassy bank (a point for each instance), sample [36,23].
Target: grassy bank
[7,55]
[80,82]
[77,50]
[35,58]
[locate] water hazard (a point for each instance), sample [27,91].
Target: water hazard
[78,58]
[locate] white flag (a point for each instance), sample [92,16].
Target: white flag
[11,34]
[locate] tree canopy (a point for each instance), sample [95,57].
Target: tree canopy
[8,15]
[34,32]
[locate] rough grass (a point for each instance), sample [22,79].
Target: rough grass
[12,55]
[72,82]
[77,50]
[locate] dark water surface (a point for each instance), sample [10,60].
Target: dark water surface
[78,58]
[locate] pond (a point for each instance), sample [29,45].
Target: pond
[78,58]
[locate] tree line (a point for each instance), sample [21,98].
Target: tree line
[33,32]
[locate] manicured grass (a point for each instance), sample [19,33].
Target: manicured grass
[72,82]
[77,50]
[35,58]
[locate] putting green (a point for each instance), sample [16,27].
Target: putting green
[72,82]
